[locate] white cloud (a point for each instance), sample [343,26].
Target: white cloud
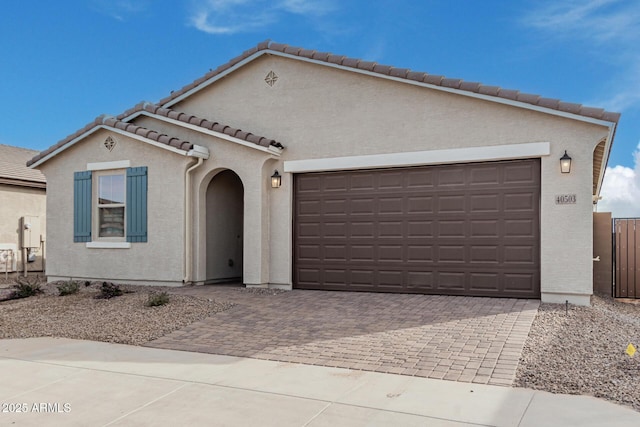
[621,190]
[241,16]
[120,9]
[610,30]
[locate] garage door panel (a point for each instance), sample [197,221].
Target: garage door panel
[420,179]
[450,280]
[391,229]
[363,230]
[333,229]
[485,228]
[391,180]
[451,204]
[453,229]
[363,182]
[519,228]
[335,183]
[485,254]
[483,175]
[453,176]
[419,204]
[391,205]
[390,253]
[334,207]
[419,229]
[485,203]
[522,173]
[514,202]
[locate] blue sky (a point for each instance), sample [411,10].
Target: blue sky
[64,63]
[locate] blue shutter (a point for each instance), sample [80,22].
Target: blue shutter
[82,206]
[136,204]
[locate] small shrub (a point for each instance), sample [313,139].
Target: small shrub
[109,290]
[68,288]
[25,288]
[156,300]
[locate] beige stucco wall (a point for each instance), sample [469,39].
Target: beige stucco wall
[158,260]
[16,202]
[320,112]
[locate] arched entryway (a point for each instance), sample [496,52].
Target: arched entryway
[224,228]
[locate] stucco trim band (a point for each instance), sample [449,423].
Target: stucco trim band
[416,158]
[108,245]
[101,166]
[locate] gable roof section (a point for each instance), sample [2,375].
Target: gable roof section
[112,123]
[492,93]
[198,122]
[13,170]
[122,125]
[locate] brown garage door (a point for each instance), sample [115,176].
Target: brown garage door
[468,229]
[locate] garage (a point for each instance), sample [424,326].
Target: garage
[465,229]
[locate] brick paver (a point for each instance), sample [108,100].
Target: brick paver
[466,339]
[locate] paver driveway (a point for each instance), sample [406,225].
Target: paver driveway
[455,338]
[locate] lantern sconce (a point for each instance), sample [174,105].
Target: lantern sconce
[565,163]
[276,180]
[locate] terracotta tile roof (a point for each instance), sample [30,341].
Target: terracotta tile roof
[403,73]
[113,122]
[203,123]
[13,169]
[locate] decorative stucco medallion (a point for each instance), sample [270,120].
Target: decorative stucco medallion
[271,78]
[109,143]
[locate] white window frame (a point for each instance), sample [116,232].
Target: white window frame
[96,206]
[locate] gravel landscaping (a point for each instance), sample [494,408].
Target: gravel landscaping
[125,319]
[579,351]
[582,351]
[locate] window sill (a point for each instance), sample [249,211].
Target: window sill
[108,245]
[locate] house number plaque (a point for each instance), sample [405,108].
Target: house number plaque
[565,199]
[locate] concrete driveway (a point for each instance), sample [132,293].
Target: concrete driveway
[465,339]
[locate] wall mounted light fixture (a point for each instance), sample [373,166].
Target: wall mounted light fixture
[276,180]
[565,163]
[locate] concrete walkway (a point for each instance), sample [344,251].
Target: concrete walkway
[69,382]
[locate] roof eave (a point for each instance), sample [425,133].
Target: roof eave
[96,128]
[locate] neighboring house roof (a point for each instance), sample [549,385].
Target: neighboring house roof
[196,121]
[13,169]
[462,86]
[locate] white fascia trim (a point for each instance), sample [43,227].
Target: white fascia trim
[417,158]
[108,245]
[271,150]
[605,160]
[110,129]
[100,166]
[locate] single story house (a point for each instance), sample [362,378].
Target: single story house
[300,169]
[22,212]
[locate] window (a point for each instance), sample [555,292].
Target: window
[110,206]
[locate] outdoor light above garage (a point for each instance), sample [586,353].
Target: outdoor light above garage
[565,163]
[276,180]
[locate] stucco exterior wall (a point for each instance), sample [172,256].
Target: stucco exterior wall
[321,112]
[158,260]
[317,112]
[17,202]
